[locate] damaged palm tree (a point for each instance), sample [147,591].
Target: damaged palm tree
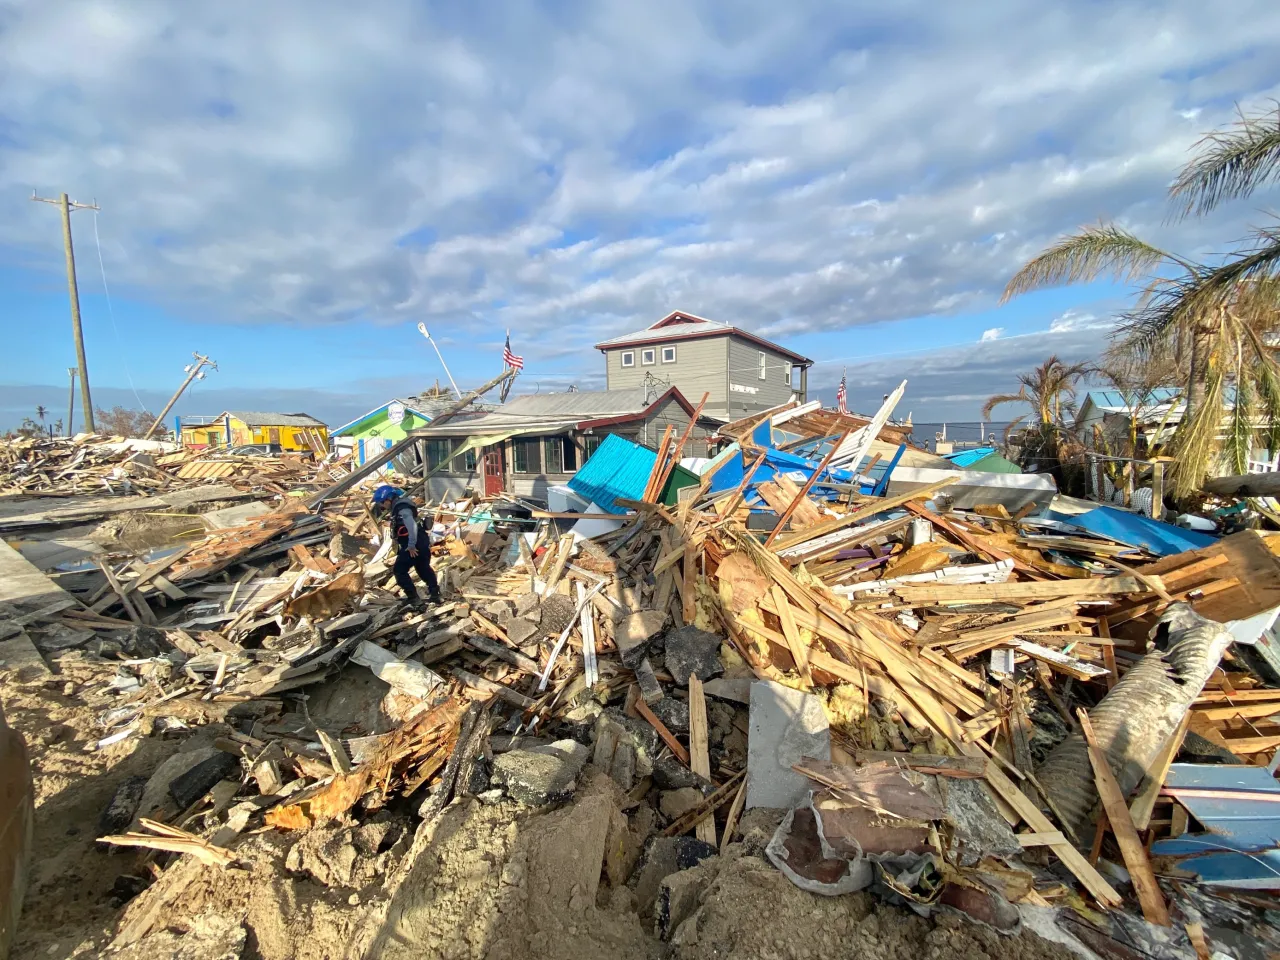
[1139,715]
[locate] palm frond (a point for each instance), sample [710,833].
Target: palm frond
[1001,398]
[1239,438]
[1094,252]
[1265,373]
[1196,440]
[1230,164]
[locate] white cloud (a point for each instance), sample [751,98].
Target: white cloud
[573,172]
[1080,320]
[991,334]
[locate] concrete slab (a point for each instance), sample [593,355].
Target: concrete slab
[51,554]
[785,726]
[233,516]
[24,586]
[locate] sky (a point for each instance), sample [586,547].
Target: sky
[291,187]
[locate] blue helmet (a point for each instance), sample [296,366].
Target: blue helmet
[384,493]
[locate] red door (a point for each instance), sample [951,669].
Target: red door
[493,472]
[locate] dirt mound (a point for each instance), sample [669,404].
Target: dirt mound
[751,910]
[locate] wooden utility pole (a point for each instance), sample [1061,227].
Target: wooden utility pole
[193,370]
[71,401]
[67,206]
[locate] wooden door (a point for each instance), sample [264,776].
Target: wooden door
[492,464]
[273,435]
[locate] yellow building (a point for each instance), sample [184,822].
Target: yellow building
[283,432]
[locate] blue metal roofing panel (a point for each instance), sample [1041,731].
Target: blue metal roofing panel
[1238,848]
[618,468]
[1154,536]
[1116,399]
[966,458]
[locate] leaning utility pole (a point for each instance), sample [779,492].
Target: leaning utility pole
[67,206]
[71,401]
[193,372]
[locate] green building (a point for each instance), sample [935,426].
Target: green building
[383,427]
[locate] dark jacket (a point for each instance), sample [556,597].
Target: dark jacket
[404,523]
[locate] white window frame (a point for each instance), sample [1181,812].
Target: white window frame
[648,356]
[664,354]
[764,365]
[628,358]
[786,374]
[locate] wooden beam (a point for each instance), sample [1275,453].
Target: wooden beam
[804,491]
[879,505]
[699,758]
[1145,802]
[1143,877]
[1041,590]
[799,653]
[666,735]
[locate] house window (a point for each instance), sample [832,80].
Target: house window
[466,463]
[628,358]
[590,444]
[648,357]
[438,452]
[668,354]
[786,374]
[525,455]
[559,455]
[764,366]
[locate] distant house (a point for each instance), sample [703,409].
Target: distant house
[385,426]
[536,441]
[743,373]
[283,432]
[1107,417]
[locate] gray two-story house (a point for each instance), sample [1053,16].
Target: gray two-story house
[742,373]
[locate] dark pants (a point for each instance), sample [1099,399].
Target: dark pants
[421,563]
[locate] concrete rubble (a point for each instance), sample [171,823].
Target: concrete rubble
[761,704]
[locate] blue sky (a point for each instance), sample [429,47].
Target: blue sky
[291,187]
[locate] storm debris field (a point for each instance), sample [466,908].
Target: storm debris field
[791,703]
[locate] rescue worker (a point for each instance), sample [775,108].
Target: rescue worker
[413,543]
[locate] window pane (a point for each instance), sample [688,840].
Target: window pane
[570,452]
[590,444]
[526,455]
[763,366]
[647,357]
[668,354]
[552,448]
[628,358]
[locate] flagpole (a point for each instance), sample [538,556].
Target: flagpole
[422,329]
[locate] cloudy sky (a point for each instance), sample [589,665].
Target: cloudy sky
[291,186]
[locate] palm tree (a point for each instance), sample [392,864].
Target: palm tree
[41,413]
[1043,390]
[1216,321]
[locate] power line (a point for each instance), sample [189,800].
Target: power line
[124,357]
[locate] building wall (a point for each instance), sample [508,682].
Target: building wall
[747,393]
[291,439]
[699,368]
[378,429]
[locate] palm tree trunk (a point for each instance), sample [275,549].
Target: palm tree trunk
[1198,373]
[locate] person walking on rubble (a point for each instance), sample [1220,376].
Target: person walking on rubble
[413,542]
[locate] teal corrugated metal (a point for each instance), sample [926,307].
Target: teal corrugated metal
[619,468]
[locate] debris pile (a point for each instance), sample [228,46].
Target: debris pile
[786,667]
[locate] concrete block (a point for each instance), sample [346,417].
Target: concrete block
[785,726]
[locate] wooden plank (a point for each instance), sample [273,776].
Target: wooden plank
[1143,877]
[1039,590]
[1063,663]
[1242,711]
[689,595]
[661,728]
[1145,802]
[699,758]
[659,464]
[804,491]
[867,510]
[1071,858]
[963,768]
[1041,839]
[792,632]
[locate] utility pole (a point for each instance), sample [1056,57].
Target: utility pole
[67,206]
[193,373]
[71,401]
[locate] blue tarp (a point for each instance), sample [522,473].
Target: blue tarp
[1154,536]
[1239,847]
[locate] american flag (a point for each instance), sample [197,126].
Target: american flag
[842,396]
[509,358]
